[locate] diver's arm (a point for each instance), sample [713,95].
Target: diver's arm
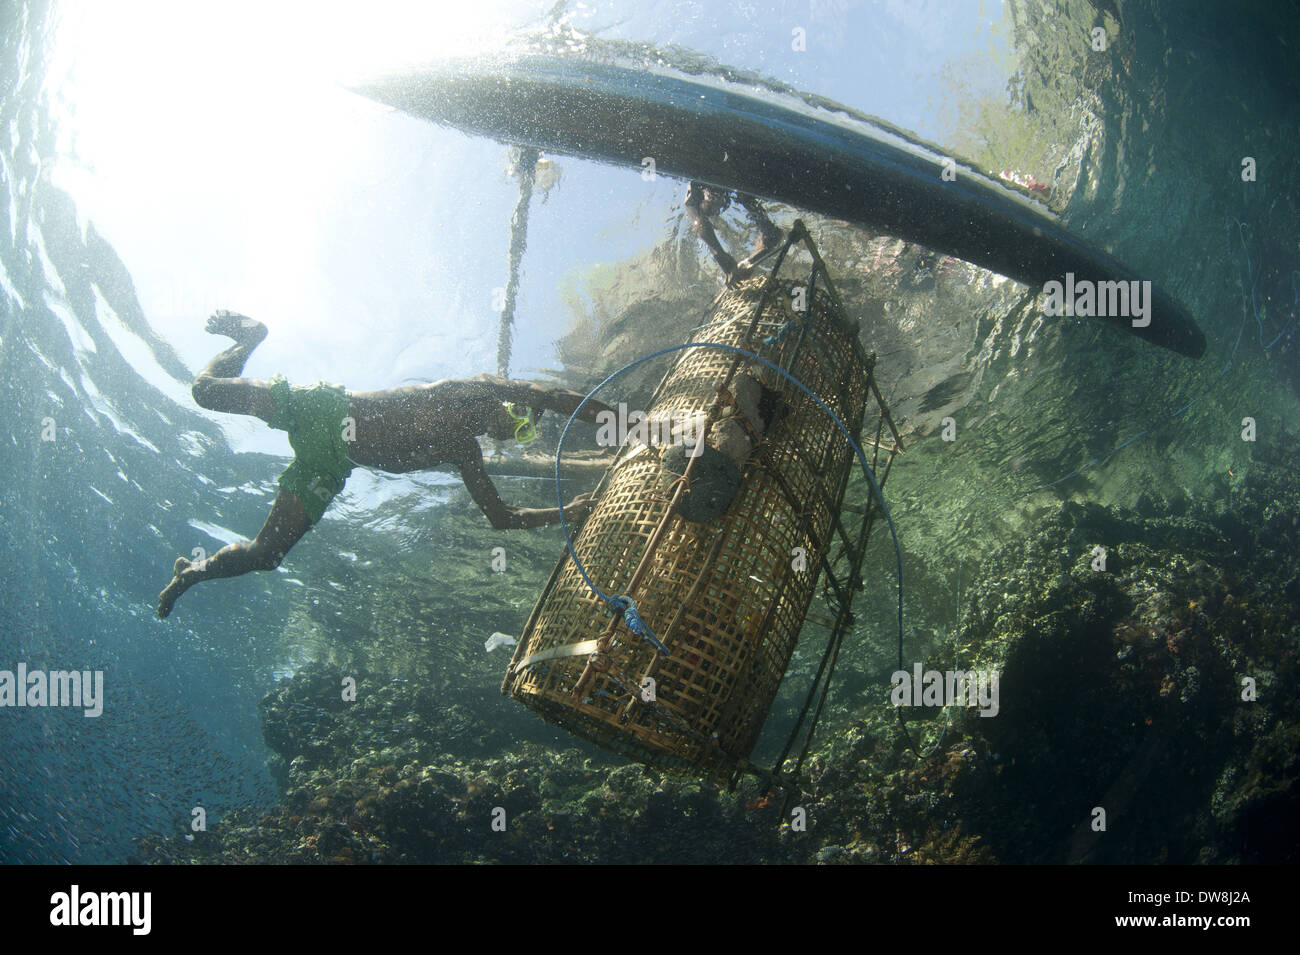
[535,396]
[500,514]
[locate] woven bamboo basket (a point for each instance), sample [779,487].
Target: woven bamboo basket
[727,597]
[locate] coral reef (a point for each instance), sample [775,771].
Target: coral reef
[1122,688]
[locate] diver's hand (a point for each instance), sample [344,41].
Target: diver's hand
[726,263]
[742,271]
[580,507]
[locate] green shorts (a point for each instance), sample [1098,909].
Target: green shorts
[315,420]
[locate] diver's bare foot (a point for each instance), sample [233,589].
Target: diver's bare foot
[233,325]
[177,587]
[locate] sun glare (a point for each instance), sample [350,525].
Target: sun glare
[147,84]
[207,141]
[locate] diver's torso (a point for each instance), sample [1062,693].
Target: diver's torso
[413,428]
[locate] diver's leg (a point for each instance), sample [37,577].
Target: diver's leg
[218,387]
[284,527]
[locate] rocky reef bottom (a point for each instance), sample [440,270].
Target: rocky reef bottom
[1160,691]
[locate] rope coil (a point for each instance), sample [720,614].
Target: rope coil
[626,607]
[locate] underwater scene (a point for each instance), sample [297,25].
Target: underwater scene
[811,432]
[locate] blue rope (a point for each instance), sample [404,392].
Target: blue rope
[625,606]
[782,333]
[632,617]
[787,326]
